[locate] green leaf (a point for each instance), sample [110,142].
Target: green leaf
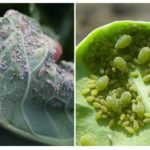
[92,53]
[36,94]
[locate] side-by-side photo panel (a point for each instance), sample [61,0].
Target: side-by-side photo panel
[37,74]
[112,74]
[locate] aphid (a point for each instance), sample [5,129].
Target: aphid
[123,41]
[147,120]
[90,99]
[140,110]
[103,108]
[94,92]
[134,74]
[122,117]
[132,118]
[91,86]
[125,123]
[146,78]
[88,140]
[97,105]
[120,64]
[85,91]
[111,123]
[134,107]
[135,125]
[98,115]
[104,116]
[103,102]
[147,115]
[144,55]
[113,104]
[102,83]
[92,76]
[119,123]
[91,81]
[125,99]
[129,130]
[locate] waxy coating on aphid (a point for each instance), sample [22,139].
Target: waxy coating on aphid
[144,55]
[123,42]
[120,64]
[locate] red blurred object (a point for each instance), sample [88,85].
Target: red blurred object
[58,52]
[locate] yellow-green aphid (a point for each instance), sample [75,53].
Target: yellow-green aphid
[91,86]
[111,123]
[86,91]
[125,123]
[103,102]
[120,64]
[88,140]
[134,74]
[144,55]
[122,117]
[140,110]
[123,41]
[135,125]
[146,78]
[134,107]
[90,99]
[97,105]
[125,99]
[147,115]
[102,83]
[129,130]
[147,120]
[113,104]
[93,77]
[94,92]
[132,118]
[90,81]
[103,108]
[98,115]
[104,116]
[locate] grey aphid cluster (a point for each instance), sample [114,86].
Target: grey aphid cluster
[112,92]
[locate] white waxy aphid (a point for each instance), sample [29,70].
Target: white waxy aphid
[120,64]
[102,83]
[123,42]
[125,99]
[88,140]
[146,78]
[144,55]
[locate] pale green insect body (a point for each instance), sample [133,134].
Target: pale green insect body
[146,78]
[120,64]
[125,99]
[144,55]
[123,42]
[102,83]
[88,140]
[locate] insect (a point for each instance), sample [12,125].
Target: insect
[120,64]
[123,41]
[144,55]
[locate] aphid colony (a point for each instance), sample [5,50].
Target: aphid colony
[113,94]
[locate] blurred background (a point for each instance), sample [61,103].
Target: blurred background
[91,16]
[57,21]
